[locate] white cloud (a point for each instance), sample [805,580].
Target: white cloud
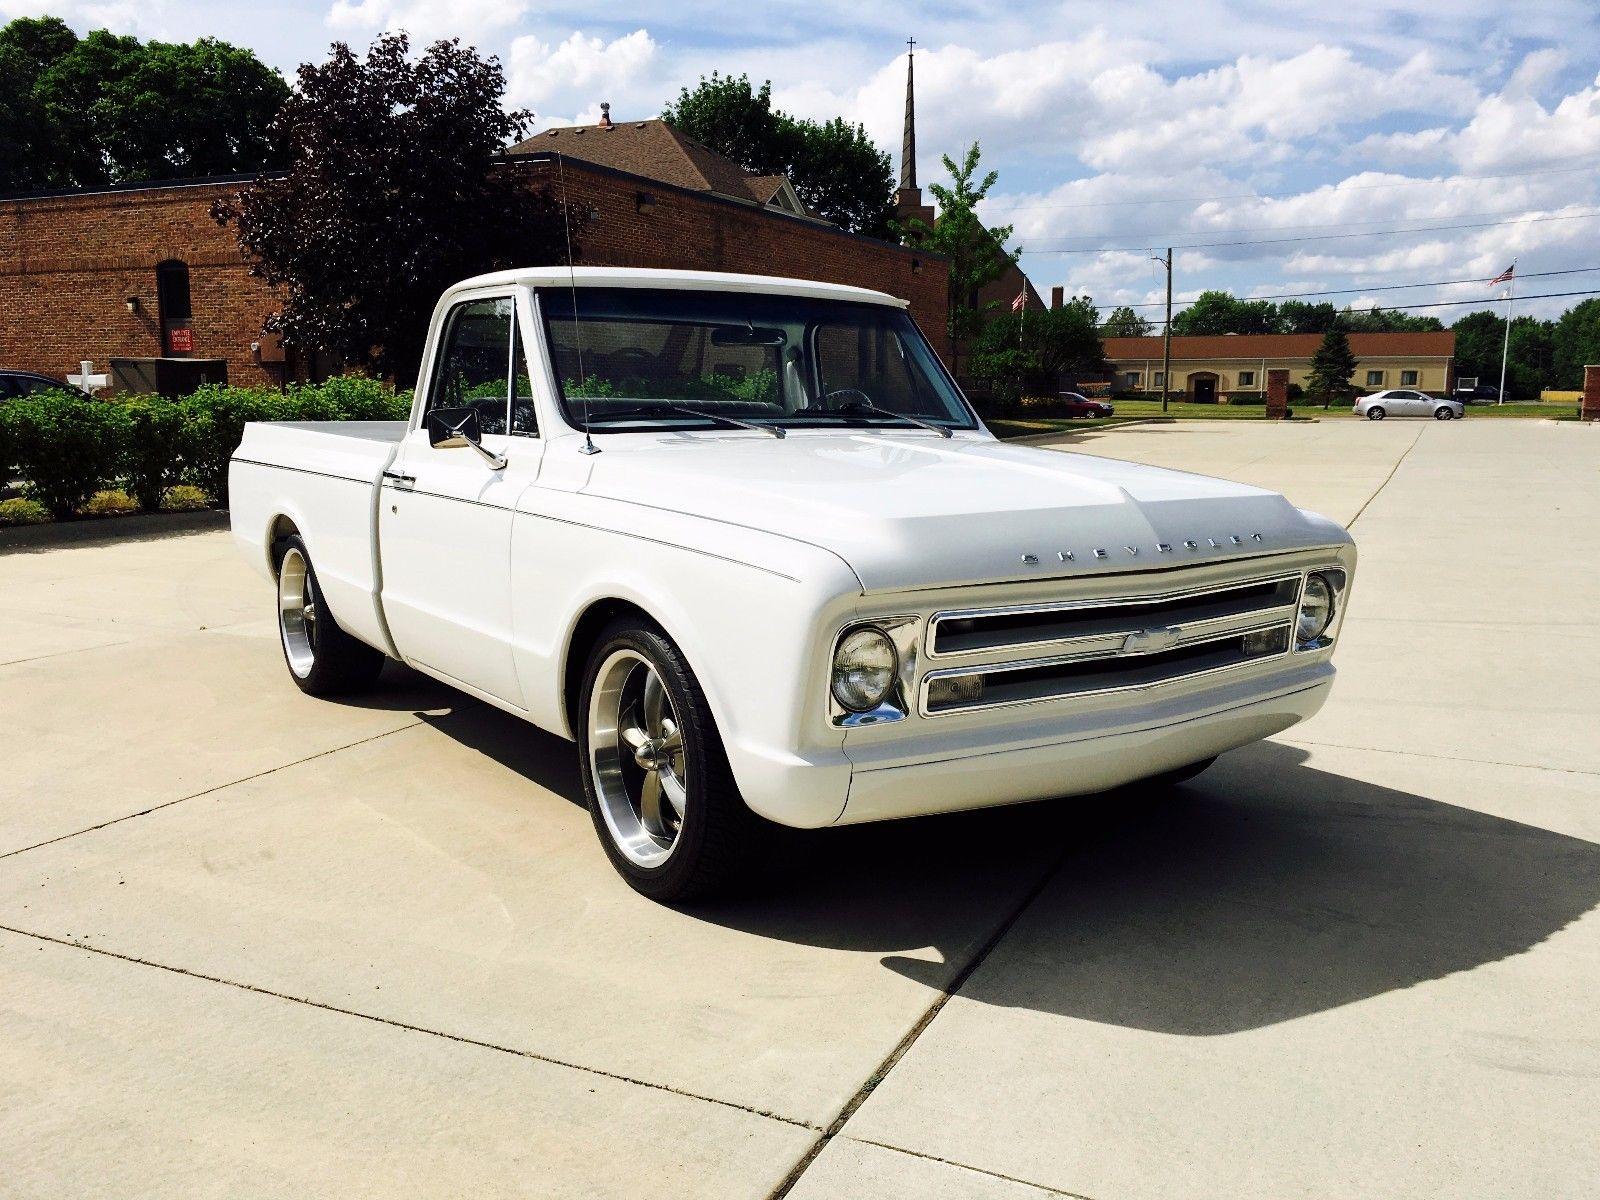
[577,74]
[470,20]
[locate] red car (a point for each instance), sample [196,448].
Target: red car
[1074,405]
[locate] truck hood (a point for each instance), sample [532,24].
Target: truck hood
[912,511]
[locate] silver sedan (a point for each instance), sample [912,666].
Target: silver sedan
[1407,402]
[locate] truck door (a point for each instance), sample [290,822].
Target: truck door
[444,515]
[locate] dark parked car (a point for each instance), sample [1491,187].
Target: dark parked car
[1483,393]
[1073,404]
[28,383]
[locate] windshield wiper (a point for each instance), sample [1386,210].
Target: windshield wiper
[868,406]
[656,410]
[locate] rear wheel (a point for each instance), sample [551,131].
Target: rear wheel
[655,775]
[323,659]
[1376,413]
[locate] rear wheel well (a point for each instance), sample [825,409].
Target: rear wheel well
[277,533]
[585,634]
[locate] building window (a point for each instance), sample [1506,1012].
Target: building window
[1408,379]
[173,308]
[1247,379]
[1133,380]
[1160,379]
[1374,378]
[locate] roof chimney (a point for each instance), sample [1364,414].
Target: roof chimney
[605,115]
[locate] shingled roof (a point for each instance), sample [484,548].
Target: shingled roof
[1284,345]
[655,150]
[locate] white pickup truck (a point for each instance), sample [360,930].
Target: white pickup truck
[744,541]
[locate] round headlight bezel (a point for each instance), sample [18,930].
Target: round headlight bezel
[1328,604]
[854,643]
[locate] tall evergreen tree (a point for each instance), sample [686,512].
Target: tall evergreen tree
[1331,368]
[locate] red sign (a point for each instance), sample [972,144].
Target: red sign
[180,341]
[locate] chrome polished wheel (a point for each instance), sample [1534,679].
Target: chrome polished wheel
[636,758]
[297,612]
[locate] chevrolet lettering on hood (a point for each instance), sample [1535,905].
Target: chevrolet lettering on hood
[1132,551]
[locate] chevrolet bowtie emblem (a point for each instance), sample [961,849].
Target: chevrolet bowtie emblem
[1151,641]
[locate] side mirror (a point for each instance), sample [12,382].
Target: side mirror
[455,428]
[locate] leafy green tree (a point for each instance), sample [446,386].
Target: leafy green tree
[390,195]
[1576,343]
[1536,350]
[1331,368]
[110,109]
[1039,350]
[833,165]
[977,253]
[1125,322]
[1387,320]
[1215,312]
[1296,316]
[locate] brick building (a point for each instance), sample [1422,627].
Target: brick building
[145,272]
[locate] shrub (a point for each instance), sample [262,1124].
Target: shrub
[67,447]
[21,511]
[157,444]
[184,498]
[111,502]
[214,420]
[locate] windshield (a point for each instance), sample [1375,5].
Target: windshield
[637,358]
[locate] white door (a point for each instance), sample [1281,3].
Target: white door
[444,521]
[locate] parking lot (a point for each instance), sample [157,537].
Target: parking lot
[255,944]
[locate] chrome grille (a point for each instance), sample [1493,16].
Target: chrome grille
[1104,645]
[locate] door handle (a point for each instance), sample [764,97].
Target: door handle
[401,480]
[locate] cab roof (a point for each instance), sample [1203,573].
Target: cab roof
[650,277]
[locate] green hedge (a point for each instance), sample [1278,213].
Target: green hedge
[66,448]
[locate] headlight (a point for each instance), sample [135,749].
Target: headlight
[1316,609]
[864,669]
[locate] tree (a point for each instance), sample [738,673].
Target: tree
[1213,313]
[109,109]
[833,165]
[1296,316]
[1039,349]
[1387,320]
[1331,368]
[1124,322]
[977,252]
[1576,341]
[391,194]
[1536,348]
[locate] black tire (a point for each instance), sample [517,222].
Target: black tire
[718,839]
[1443,413]
[1376,413]
[323,660]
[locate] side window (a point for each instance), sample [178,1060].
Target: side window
[472,366]
[869,359]
[524,420]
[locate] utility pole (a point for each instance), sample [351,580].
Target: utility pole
[1505,349]
[1166,337]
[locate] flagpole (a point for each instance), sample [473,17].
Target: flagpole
[1505,350]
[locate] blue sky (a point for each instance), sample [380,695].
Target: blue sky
[1113,125]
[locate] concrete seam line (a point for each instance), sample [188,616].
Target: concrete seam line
[393,1024]
[957,981]
[1481,762]
[961,1166]
[1387,478]
[412,724]
[17,662]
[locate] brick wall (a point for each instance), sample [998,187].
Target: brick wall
[69,263]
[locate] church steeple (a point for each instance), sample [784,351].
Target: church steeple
[908,138]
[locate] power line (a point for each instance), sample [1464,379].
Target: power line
[1317,237]
[1383,287]
[1432,304]
[1355,187]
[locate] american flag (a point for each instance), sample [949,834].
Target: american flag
[1021,302]
[1504,276]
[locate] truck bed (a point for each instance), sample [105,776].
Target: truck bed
[320,479]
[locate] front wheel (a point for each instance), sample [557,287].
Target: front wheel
[655,775]
[1443,414]
[1375,413]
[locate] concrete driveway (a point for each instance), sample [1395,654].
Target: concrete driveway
[255,944]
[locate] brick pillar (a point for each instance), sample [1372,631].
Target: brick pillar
[1058,295]
[1589,409]
[1277,394]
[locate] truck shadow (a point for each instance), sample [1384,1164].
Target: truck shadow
[1264,890]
